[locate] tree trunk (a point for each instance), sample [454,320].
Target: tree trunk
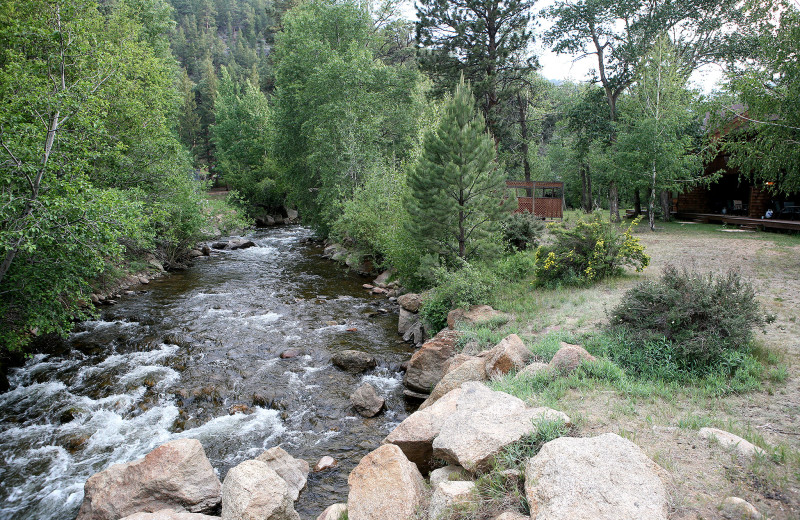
[651,206]
[666,206]
[637,203]
[523,128]
[586,190]
[613,202]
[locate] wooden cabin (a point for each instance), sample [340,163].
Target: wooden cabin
[547,201]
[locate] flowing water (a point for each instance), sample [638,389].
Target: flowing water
[173,360]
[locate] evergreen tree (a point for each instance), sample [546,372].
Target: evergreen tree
[206,96]
[456,188]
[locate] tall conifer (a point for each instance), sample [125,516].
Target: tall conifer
[456,187]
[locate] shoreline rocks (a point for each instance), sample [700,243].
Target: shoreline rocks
[176,475]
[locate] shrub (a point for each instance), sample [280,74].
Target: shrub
[590,251]
[467,286]
[516,267]
[690,320]
[522,231]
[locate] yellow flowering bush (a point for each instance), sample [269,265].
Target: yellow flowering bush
[591,250]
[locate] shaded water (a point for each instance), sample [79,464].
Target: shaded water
[171,361]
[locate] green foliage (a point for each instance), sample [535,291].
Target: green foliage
[590,251]
[517,266]
[376,220]
[339,113]
[692,322]
[242,140]
[522,231]
[104,175]
[467,286]
[765,147]
[456,197]
[654,149]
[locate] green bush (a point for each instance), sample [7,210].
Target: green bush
[592,250]
[687,321]
[517,266]
[522,231]
[467,286]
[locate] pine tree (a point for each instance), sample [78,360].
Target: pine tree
[456,200]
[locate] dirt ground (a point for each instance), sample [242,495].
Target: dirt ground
[701,475]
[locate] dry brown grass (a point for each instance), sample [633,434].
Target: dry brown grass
[701,475]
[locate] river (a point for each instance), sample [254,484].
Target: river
[173,359]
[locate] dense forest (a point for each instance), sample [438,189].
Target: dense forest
[392,135]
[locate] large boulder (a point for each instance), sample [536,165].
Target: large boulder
[448,495]
[176,475]
[384,486]
[475,315]
[416,433]
[569,357]
[510,354]
[735,508]
[468,427]
[410,302]
[471,369]
[252,490]
[354,361]
[366,401]
[429,363]
[293,471]
[599,478]
[170,514]
[485,422]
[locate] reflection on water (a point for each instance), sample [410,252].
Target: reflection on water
[172,362]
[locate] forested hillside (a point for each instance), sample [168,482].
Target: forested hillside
[114,112]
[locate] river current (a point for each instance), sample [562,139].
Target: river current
[197,354]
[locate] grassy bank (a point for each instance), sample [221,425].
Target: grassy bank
[759,401]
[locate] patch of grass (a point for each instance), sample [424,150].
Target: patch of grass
[484,336]
[502,487]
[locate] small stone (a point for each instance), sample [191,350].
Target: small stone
[728,440]
[569,357]
[324,463]
[447,474]
[368,286]
[378,290]
[333,512]
[735,508]
[288,354]
[239,408]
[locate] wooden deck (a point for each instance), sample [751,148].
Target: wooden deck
[745,222]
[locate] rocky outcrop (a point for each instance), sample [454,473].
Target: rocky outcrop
[468,427]
[384,486]
[366,401]
[449,495]
[254,490]
[429,363]
[239,243]
[475,315]
[484,423]
[416,433]
[176,475]
[569,357]
[602,478]
[169,514]
[510,354]
[333,512]
[354,361]
[471,369]
[293,471]
[728,440]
